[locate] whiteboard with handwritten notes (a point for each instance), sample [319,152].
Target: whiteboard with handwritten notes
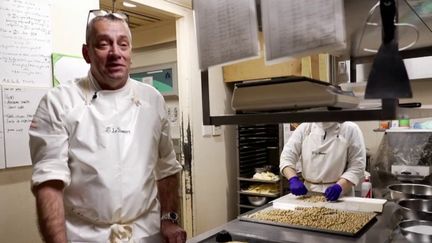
[25,42]
[25,73]
[19,105]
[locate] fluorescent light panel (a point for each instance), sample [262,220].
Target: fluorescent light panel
[129,5]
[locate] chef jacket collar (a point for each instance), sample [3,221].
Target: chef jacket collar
[328,125]
[94,85]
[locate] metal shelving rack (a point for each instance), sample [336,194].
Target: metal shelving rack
[258,146]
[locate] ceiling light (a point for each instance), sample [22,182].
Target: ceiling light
[129,5]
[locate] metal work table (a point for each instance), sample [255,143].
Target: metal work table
[380,231]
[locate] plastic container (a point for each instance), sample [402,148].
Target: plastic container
[366,188]
[394,124]
[404,122]
[384,125]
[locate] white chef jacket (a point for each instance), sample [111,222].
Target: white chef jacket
[109,147]
[326,155]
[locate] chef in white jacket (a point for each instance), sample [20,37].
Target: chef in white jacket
[332,158]
[104,165]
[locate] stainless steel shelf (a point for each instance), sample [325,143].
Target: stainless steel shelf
[390,110]
[302,116]
[408,130]
[391,113]
[248,206]
[260,194]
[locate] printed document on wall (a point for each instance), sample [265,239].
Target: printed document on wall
[226,31]
[294,28]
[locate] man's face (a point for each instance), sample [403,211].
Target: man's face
[109,53]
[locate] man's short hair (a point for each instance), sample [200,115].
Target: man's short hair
[109,17]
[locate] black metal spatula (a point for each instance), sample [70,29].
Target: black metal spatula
[388,77]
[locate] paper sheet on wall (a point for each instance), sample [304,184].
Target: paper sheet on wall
[226,31]
[68,68]
[295,28]
[148,80]
[19,105]
[25,42]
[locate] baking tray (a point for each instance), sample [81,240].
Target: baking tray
[269,206]
[257,194]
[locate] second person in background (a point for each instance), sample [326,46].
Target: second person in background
[332,156]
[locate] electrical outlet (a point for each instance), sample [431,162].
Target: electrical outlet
[217,130]
[206,131]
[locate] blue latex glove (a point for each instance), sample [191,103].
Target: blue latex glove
[297,187]
[333,192]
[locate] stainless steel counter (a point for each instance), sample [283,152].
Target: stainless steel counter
[380,231]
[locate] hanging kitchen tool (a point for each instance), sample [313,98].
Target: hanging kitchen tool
[369,23]
[388,78]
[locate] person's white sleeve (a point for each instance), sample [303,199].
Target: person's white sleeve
[49,143]
[356,155]
[292,149]
[167,163]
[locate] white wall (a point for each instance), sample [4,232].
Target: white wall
[215,161]
[153,55]
[18,214]
[69,24]
[17,206]
[153,35]
[213,158]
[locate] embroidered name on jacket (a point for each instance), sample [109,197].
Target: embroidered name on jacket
[116,130]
